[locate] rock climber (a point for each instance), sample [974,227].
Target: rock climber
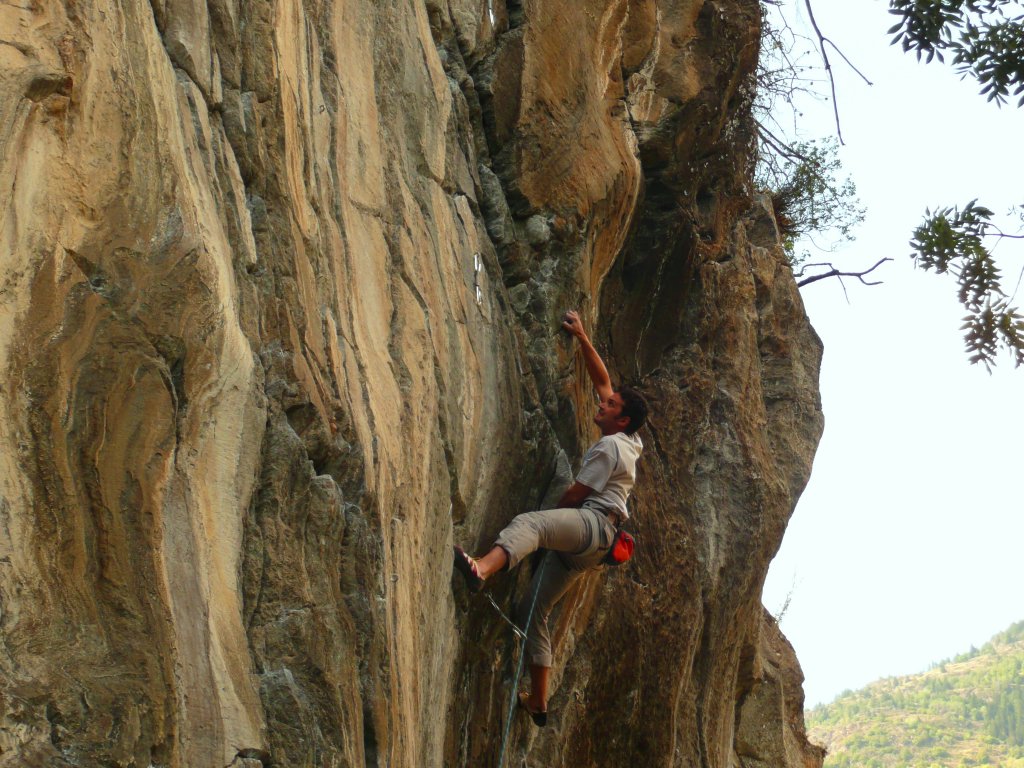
[579,531]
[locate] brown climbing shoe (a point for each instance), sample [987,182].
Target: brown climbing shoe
[466,565]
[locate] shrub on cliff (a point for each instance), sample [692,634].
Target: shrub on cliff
[809,197]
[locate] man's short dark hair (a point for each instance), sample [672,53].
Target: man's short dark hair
[635,407]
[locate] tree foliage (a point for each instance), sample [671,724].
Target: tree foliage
[953,240]
[965,711]
[985,39]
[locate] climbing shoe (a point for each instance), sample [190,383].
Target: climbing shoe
[540,719]
[466,565]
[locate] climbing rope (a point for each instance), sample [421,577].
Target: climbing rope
[515,627]
[514,699]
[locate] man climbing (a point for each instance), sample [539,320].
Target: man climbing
[579,531]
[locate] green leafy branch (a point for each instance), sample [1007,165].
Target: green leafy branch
[985,38]
[986,41]
[953,240]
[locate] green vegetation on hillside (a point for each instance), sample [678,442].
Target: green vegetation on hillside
[964,711]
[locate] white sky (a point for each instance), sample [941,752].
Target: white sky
[906,546]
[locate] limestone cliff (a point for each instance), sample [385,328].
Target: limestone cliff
[280,283]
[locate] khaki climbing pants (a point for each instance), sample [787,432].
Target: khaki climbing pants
[577,539]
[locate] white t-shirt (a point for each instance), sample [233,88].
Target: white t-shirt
[609,467]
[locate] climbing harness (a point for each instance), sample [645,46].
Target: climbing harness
[514,699]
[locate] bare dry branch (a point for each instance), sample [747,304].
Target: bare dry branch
[833,272]
[781,147]
[828,66]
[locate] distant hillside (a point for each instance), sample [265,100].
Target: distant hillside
[965,711]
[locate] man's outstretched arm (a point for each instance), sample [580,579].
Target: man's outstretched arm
[595,365]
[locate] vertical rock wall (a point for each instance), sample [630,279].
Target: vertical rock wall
[279,296]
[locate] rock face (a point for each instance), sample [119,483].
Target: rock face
[775,696]
[279,295]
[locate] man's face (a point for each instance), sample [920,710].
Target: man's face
[609,418]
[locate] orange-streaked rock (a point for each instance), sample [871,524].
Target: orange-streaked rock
[280,289]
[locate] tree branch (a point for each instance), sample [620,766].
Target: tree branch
[780,146]
[837,273]
[1000,234]
[848,62]
[828,66]
[828,69]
